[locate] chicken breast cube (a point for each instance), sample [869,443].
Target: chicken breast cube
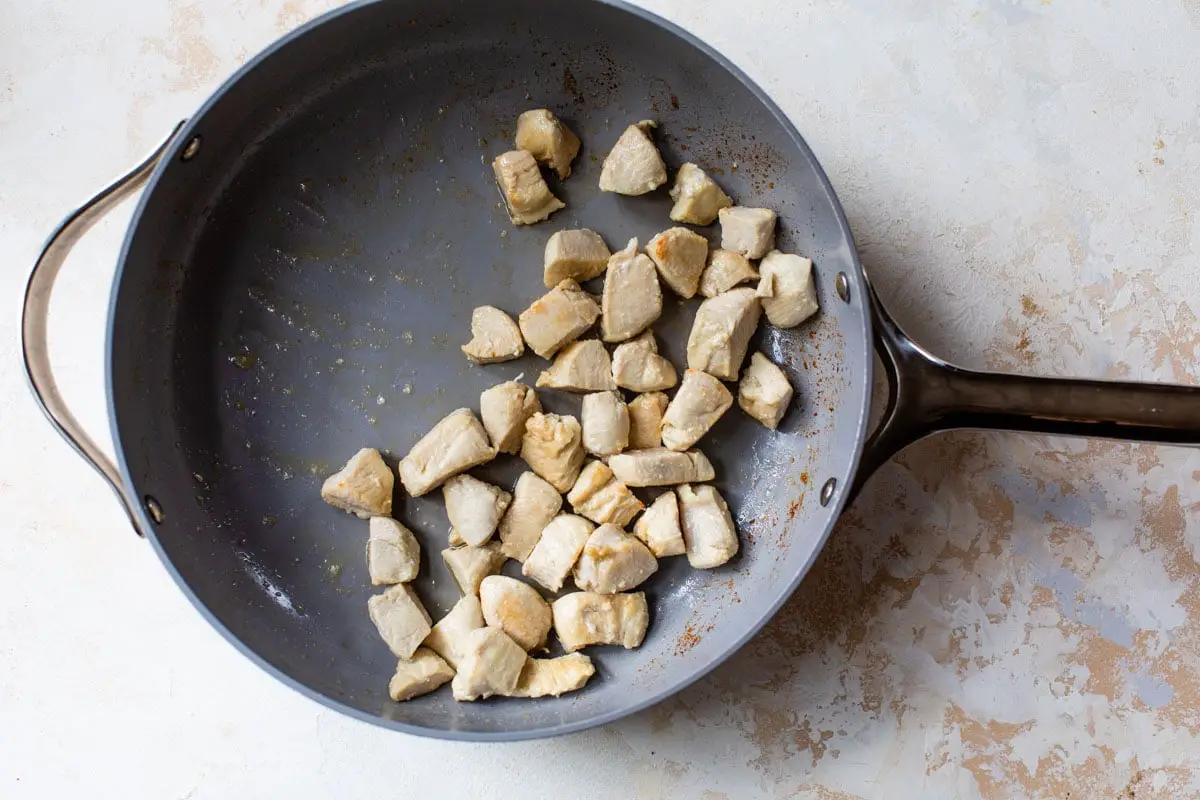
[553,448]
[612,561]
[455,444]
[697,197]
[634,166]
[400,618]
[637,366]
[709,536]
[584,618]
[721,333]
[788,294]
[725,270]
[548,140]
[551,677]
[580,367]
[645,420]
[699,403]
[494,337]
[600,497]
[680,256]
[660,467]
[749,231]
[605,423]
[558,318]
[578,255]
[659,527]
[470,565]
[525,192]
[449,636]
[534,504]
[632,298]
[764,392]
[393,553]
[504,408]
[556,552]
[516,608]
[363,487]
[419,675]
[474,507]
[491,664]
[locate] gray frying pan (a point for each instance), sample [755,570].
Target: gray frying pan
[301,270]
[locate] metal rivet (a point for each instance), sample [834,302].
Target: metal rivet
[827,491]
[154,509]
[192,148]
[842,284]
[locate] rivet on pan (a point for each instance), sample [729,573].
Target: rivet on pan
[827,491]
[154,509]
[842,284]
[192,148]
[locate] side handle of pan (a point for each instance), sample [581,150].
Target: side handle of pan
[34,345]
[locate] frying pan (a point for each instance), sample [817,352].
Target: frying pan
[301,269]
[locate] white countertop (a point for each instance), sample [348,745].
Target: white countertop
[999,616]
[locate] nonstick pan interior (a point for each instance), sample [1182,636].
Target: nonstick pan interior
[300,286]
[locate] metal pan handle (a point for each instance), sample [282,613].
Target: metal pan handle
[35,311]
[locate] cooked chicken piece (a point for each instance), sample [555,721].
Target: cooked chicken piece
[526,194]
[699,403]
[749,231]
[534,504]
[401,619]
[721,333]
[637,366]
[600,497]
[449,636]
[697,197]
[645,420]
[725,270]
[659,526]
[419,675]
[470,565]
[584,618]
[516,608]
[393,553]
[578,255]
[548,139]
[556,552]
[605,420]
[551,677]
[363,487]
[455,444]
[764,392]
[679,255]
[492,664]
[708,532]
[504,409]
[494,337]
[634,166]
[660,467]
[558,318]
[474,507]
[612,561]
[632,298]
[553,448]
[787,291]
[580,367]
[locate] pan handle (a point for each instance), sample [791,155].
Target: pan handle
[35,311]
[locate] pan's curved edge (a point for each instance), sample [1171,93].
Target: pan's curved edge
[858,285]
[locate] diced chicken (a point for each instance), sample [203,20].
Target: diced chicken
[492,664]
[697,197]
[709,535]
[786,288]
[470,565]
[549,141]
[680,256]
[474,507]
[749,231]
[449,636]
[400,618]
[578,255]
[455,444]
[634,166]
[659,526]
[393,553]
[556,552]
[525,192]
[605,420]
[580,367]
[764,392]
[612,561]
[699,403]
[660,467]
[551,677]
[504,408]
[637,366]
[494,337]
[585,618]
[534,504]
[363,487]
[600,497]
[553,448]
[725,270]
[558,318]
[645,420]
[419,675]
[516,608]
[721,333]
[632,298]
